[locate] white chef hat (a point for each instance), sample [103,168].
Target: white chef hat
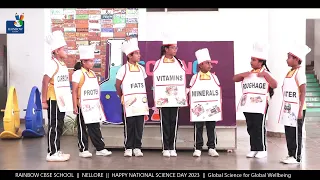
[86,52]
[56,40]
[299,50]
[130,46]
[260,50]
[168,39]
[203,55]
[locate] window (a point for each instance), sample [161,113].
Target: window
[180,9]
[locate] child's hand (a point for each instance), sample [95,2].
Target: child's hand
[75,110]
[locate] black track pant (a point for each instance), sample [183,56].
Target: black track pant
[94,132]
[55,126]
[294,138]
[256,127]
[211,134]
[133,130]
[169,127]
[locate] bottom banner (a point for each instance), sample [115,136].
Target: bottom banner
[116,174]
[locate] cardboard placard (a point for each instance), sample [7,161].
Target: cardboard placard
[82,11]
[81,21]
[65,21]
[132,25]
[70,38]
[95,11]
[82,25]
[94,21]
[69,34]
[119,32]
[82,29]
[71,45]
[57,21]
[82,16]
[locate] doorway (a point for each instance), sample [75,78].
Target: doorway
[3,73]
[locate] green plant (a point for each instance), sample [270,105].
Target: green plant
[70,126]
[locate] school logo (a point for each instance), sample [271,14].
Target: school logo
[16,26]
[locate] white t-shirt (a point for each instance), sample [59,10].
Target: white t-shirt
[301,77]
[193,79]
[76,76]
[50,68]
[121,72]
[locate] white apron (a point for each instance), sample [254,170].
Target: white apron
[254,97]
[290,104]
[90,99]
[169,82]
[62,88]
[205,100]
[134,93]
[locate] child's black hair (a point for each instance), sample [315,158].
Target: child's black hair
[264,63]
[163,51]
[77,66]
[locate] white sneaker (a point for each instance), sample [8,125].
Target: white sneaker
[128,153]
[166,153]
[213,152]
[58,157]
[196,153]
[85,154]
[290,160]
[251,154]
[103,152]
[173,153]
[137,152]
[261,154]
[284,159]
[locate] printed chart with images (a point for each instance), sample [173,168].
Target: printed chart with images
[94,26]
[106,28]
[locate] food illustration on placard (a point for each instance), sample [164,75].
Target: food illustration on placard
[213,110]
[256,99]
[287,108]
[130,102]
[90,107]
[243,100]
[198,110]
[181,101]
[171,90]
[162,101]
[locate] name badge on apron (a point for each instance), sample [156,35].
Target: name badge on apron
[62,88]
[135,102]
[291,103]
[90,99]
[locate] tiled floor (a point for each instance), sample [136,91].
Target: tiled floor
[30,154]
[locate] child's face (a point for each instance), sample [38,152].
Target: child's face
[292,60]
[62,52]
[135,56]
[88,63]
[205,66]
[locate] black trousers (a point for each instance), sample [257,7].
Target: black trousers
[211,134]
[133,130]
[256,127]
[294,138]
[55,126]
[169,127]
[94,132]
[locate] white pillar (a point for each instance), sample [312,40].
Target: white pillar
[284,25]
